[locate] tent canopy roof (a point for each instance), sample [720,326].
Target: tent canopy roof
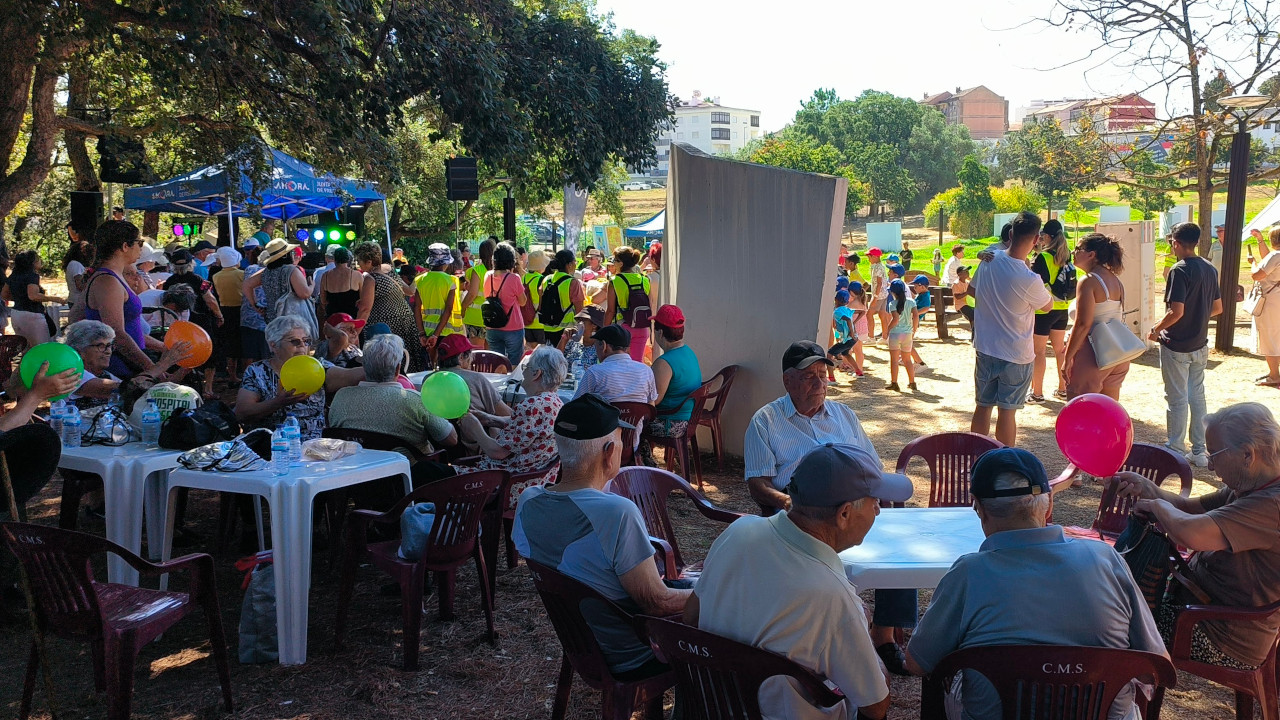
[651,227]
[295,189]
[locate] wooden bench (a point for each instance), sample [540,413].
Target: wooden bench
[943,309]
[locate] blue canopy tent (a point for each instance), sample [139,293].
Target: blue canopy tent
[651,228]
[295,189]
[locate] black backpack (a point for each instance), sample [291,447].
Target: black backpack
[494,315]
[637,312]
[550,310]
[1064,286]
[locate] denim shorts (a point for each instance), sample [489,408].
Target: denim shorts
[1000,383]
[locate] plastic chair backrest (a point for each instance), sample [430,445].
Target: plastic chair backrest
[1154,462]
[950,456]
[634,413]
[1053,681]
[722,677]
[11,346]
[563,597]
[488,361]
[548,474]
[648,488]
[57,563]
[372,440]
[715,401]
[460,501]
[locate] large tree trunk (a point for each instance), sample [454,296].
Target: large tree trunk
[86,175]
[1204,188]
[23,71]
[151,225]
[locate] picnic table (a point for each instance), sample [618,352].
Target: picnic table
[909,548]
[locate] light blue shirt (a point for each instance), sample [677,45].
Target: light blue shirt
[906,321]
[618,378]
[778,437]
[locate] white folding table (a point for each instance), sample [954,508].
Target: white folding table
[290,498]
[133,478]
[911,548]
[510,392]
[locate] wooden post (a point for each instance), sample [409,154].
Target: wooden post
[942,223]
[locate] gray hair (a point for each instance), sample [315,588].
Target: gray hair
[383,357]
[552,364]
[577,453]
[1248,425]
[1029,507]
[84,333]
[824,513]
[278,328]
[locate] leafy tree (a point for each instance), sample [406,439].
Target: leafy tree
[934,154]
[1052,162]
[799,153]
[973,205]
[1153,195]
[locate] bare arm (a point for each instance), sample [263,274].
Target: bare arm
[109,299]
[35,294]
[43,387]
[336,378]
[662,377]
[298,281]
[250,405]
[611,303]
[1171,316]
[1084,321]
[365,304]
[1136,486]
[765,494]
[646,588]
[692,609]
[1194,531]
[473,291]
[473,430]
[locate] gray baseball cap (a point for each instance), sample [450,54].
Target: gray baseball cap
[834,474]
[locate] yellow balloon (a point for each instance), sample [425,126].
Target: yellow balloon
[302,374]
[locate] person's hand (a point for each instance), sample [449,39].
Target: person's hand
[46,386]
[174,355]
[1132,485]
[470,426]
[1154,335]
[1146,508]
[1067,366]
[986,255]
[430,342]
[288,398]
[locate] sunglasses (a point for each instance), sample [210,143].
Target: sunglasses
[300,342]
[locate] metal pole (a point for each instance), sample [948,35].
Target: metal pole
[231,222]
[1237,185]
[386,221]
[942,222]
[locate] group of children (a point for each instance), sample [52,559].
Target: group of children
[898,308]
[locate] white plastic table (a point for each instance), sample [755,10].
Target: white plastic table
[912,547]
[133,480]
[290,498]
[510,392]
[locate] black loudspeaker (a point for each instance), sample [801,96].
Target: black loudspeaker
[461,179]
[122,160]
[353,215]
[86,212]
[509,219]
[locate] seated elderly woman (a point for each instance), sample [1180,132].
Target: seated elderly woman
[263,403]
[379,404]
[94,341]
[1234,532]
[527,442]
[676,374]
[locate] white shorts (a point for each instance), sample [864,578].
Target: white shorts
[900,341]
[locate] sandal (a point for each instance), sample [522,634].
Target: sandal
[1033,398]
[1061,394]
[1267,383]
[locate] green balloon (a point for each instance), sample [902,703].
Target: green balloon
[60,358]
[446,395]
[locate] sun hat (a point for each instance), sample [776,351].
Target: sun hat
[438,254]
[593,314]
[275,250]
[834,474]
[228,257]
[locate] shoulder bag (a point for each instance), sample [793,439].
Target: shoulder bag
[1112,341]
[1256,301]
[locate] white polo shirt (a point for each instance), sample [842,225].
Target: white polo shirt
[778,437]
[813,616]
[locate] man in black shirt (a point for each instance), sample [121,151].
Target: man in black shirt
[1192,297]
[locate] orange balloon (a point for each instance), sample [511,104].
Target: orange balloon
[201,344]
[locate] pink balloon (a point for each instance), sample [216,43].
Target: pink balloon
[1095,433]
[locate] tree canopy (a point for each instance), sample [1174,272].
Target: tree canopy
[1052,162]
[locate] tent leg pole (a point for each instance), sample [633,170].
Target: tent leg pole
[231,223]
[386,223]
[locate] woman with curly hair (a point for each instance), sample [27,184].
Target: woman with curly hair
[383,300]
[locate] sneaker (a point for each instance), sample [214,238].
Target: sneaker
[1198,459]
[912,386]
[1033,398]
[1060,394]
[893,386]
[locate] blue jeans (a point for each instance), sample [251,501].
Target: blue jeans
[507,342]
[1184,390]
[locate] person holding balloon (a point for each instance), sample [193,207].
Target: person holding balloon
[94,341]
[527,442]
[117,245]
[290,382]
[48,372]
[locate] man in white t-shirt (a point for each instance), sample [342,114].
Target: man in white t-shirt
[949,276]
[1008,294]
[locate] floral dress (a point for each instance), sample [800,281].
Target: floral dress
[529,435]
[263,379]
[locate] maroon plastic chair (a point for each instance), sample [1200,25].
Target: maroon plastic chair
[649,489]
[1049,682]
[116,619]
[503,508]
[1154,462]
[1249,685]
[563,597]
[950,456]
[634,413]
[11,346]
[678,447]
[454,538]
[721,678]
[712,409]
[488,361]
[375,441]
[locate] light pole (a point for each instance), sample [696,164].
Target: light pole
[1243,107]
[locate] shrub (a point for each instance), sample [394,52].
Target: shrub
[1016,198]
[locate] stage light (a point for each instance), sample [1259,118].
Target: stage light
[335,235]
[301,235]
[318,235]
[179,230]
[351,235]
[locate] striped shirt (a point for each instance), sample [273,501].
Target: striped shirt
[618,378]
[778,437]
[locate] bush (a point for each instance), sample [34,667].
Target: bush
[1007,200]
[1016,198]
[945,200]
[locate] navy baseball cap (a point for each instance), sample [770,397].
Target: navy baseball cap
[834,474]
[993,463]
[897,269]
[614,335]
[588,417]
[921,280]
[802,354]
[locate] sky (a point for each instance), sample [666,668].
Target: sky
[770,57]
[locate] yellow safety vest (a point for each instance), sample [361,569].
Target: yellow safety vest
[550,280]
[471,315]
[1053,277]
[532,282]
[969,299]
[433,289]
[622,284]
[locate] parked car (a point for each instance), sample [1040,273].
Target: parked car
[636,185]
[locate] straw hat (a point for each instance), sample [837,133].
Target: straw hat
[275,250]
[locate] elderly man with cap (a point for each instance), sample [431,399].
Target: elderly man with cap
[782,432]
[818,621]
[341,344]
[1010,591]
[203,252]
[596,537]
[617,378]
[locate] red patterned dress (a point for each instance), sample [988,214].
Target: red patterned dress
[530,436]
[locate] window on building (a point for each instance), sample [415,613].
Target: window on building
[664,141]
[695,134]
[694,119]
[680,136]
[720,118]
[755,121]
[719,133]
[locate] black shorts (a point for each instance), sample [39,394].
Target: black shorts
[967,312]
[536,336]
[1052,320]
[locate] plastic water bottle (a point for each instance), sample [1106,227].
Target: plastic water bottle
[293,432]
[151,424]
[71,428]
[578,372]
[115,400]
[57,411]
[279,452]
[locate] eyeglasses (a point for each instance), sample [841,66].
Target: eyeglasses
[104,347]
[300,342]
[1211,455]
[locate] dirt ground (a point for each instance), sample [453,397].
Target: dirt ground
[464,677]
